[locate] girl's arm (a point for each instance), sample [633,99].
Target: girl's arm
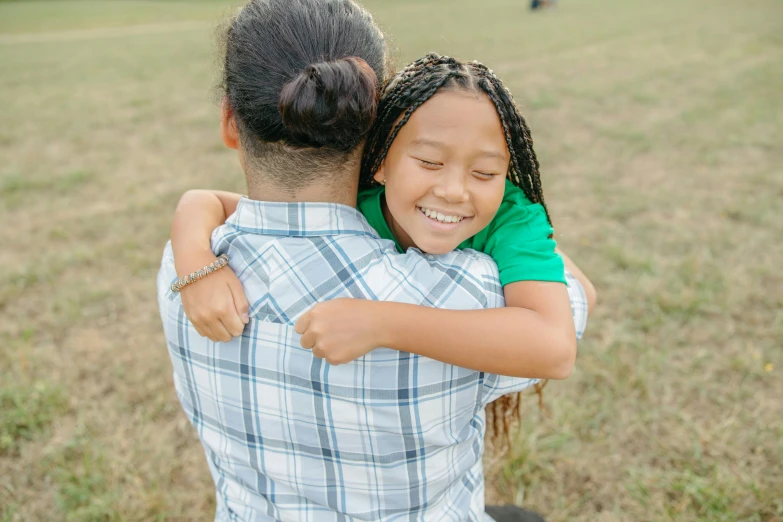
[216,305]
[533,336]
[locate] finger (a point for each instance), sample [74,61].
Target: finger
[307,341]
[221,332]
[214,327]
[208,333]
[200,330]
[302,324]
[233,323]
[317,352]
[240,300]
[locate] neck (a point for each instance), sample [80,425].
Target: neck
[340,189]
[337,180]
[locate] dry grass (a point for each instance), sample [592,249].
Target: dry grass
[659,128]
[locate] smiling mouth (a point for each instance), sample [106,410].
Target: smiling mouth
[440,217]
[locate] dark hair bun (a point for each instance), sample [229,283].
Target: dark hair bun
[330,104]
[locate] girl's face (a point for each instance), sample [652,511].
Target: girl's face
[445,172]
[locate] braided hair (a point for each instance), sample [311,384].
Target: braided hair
[409,90]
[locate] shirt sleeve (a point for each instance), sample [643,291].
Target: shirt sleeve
[485,268]
[519,240]
[166,276]
[496,386]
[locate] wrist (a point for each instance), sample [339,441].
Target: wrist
[221,262]
[193,260]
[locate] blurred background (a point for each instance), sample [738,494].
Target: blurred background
[659,126]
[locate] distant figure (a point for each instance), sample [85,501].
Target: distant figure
[536,4]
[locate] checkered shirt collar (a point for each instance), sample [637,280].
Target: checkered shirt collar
[298,219]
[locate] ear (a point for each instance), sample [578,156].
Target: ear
[228,125]
[380,174]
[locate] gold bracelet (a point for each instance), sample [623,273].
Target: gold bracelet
[179,284]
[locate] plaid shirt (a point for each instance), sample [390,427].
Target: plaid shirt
[390,436]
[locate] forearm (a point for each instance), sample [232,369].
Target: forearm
[507,341]
[198,214]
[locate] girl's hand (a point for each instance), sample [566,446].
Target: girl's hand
[216,305]
[342,330]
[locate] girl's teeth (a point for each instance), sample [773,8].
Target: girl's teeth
[441,217]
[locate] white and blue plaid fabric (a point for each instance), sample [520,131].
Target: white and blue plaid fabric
[390,436]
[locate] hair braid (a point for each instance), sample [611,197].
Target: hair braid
[524,174]
[524,130]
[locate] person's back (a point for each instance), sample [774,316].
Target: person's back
[290,437]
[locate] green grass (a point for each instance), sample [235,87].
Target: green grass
[26,412]
[658,128]
[46,16]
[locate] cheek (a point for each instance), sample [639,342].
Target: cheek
[406,185]
[487,200]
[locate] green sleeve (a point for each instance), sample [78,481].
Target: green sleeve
[518,239]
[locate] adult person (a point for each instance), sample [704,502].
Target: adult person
[287,436]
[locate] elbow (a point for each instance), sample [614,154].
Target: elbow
[562,373]
[193,194]
[566,360]
[188,198]
[590,295]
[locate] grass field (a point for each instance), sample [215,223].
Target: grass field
[660,130]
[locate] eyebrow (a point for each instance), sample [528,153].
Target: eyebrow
[428,143]
[491,154]
[440,145]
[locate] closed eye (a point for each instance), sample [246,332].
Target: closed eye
[430,164]
[485,175]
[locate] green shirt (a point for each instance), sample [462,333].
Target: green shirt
[517,238]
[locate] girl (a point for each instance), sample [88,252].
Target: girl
[449,163]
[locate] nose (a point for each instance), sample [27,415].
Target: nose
[452,186]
